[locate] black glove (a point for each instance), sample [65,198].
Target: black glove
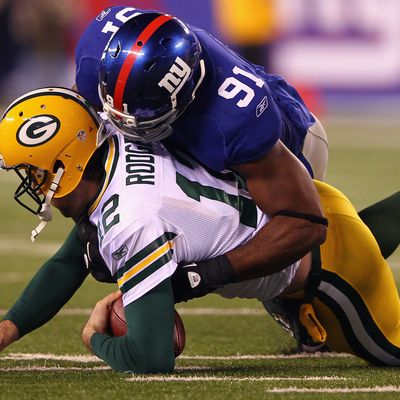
[93,259]
[193,280]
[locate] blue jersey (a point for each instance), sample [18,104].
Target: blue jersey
[239,112]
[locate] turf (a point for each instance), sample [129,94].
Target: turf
[233,350]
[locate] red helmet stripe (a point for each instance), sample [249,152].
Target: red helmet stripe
[131,58]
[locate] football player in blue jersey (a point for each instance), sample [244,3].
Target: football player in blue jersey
[163,80]
[88,54]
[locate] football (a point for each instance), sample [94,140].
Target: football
[117,318]
[118,326]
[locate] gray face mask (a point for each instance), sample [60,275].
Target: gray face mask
[145,132]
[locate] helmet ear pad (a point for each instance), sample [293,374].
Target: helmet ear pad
[149,71]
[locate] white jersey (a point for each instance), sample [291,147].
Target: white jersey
[156,210]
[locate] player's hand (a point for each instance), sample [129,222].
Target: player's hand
[9,333]
[99,319]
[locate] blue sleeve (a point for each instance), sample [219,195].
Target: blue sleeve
[148,345]
[90,48]
[240,111]
[257,134]
[235,117]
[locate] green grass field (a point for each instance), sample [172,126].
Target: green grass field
[233,350]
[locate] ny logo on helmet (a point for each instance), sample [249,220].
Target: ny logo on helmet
[38,130]
[174,80]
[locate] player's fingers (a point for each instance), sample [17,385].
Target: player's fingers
[115,295]
[109,299]
[106,302]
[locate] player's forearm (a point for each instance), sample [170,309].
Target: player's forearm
[51,287]
[117,353]
[124,356]
[270,251]
[148,345]
[281,242]
[49,290]
[279,184]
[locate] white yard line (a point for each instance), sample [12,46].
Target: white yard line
[198,378]
[55,357]
[32,368]
[13,244]
[156,378]
[24,245]
[194,378]
[93,359]
[267,356]
[374,389]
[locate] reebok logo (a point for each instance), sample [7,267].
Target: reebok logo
[103,14]
[262,106]
[120,253]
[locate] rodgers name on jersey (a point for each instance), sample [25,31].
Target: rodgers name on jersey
[139,164]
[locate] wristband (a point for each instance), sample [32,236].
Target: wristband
[315,219]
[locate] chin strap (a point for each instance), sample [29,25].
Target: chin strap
[45,213]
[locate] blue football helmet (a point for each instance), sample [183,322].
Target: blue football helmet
[149,73]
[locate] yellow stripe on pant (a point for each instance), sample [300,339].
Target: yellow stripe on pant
[357,300]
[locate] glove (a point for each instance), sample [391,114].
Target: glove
[93,259]
[187,283]
[192,280]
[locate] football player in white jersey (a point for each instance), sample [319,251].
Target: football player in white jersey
[154,210]
[151,210]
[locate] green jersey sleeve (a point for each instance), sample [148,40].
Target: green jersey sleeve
[148,345]
[51,288]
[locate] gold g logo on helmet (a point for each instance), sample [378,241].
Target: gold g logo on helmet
[38,130]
